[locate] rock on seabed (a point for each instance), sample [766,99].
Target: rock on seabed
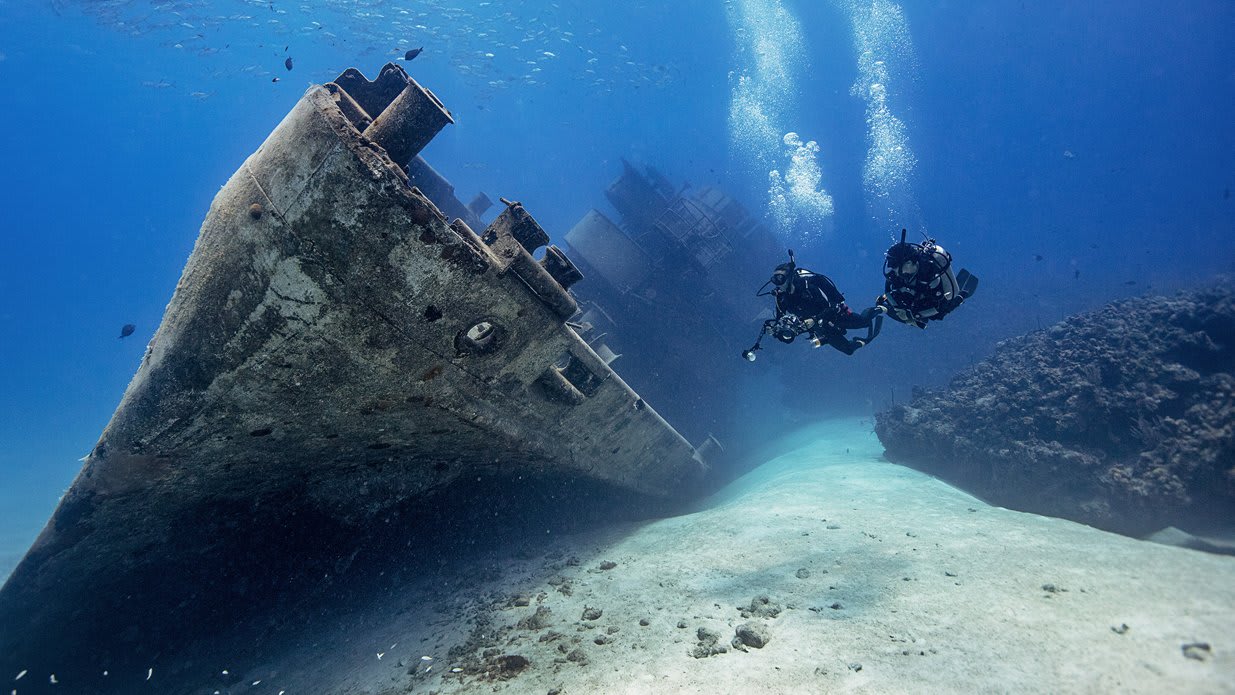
[1122,418]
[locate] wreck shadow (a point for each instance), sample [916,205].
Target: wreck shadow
[295,576]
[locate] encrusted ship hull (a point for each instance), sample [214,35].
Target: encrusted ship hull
[334,349]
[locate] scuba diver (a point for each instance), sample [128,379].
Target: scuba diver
[809,303]
[919,285]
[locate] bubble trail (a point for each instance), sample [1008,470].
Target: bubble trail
[885,58]
[764,91]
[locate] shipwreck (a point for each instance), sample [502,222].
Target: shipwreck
[337,348]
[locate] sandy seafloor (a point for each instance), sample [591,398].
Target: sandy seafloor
[887,581]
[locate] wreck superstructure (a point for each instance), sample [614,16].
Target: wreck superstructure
[335,348]
[671,290]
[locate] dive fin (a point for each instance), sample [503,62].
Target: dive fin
[968,282]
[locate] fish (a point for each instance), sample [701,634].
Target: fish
[1076,275]
[1037,256]
[412,53]
[127,330]
[288,63]
[274,79]
[1130,282]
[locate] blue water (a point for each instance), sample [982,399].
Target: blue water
[1096,138]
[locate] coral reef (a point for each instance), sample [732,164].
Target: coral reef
[1122,418]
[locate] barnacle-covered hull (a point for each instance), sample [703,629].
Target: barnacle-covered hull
[334,350]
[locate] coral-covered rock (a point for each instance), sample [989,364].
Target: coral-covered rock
[1123,418]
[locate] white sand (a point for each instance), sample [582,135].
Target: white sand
[879,540]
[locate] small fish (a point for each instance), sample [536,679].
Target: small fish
[149,673]
[274,79]
[288,63]
[127,330]
[412,53]
[1037,256]
[1130,282]
[21,675]
[1076,275]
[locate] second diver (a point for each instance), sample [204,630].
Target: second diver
[919,285]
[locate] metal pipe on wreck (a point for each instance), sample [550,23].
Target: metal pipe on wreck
[408,123]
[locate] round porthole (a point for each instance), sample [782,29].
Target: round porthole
[481,333]
[483,336]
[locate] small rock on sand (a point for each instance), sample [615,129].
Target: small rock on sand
[537,621]
[707,644]
[507,666]
[802,573]
[753,634]
[1196,650]
[590,613]
[608,565]
[760,607]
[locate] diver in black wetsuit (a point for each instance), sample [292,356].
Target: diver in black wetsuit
[807,302]
[919,285]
